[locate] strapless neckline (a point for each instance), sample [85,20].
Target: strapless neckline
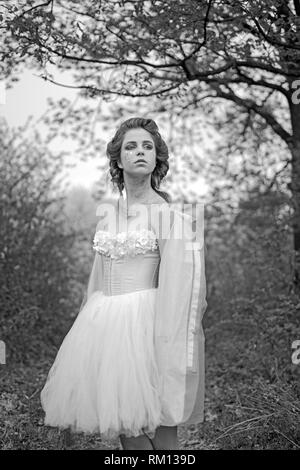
[125,243]
[123,233]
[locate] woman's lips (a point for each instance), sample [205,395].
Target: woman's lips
[141,161]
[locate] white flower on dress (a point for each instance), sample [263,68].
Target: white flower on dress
[123,244]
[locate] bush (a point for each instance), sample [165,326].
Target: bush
[40,285]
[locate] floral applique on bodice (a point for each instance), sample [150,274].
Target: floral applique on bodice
[130,243]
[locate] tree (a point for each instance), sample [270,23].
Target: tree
[40,273]
[186,54]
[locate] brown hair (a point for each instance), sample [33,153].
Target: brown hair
[113,151]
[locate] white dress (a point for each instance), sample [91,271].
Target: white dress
[111,375]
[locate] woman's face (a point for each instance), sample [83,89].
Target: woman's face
[138,144]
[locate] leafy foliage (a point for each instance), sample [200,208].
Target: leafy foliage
[38,282]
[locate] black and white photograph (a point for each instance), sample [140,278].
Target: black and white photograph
[150,227]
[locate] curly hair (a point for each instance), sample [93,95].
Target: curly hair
[113,151]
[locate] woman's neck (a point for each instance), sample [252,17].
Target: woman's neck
[138,196]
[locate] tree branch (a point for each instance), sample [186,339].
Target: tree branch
[276,174]
[297,7]
[267,38]
[102,61]
[268,68]
[251,105]
[35,7]
[263,83]
[203,42]
[101,91]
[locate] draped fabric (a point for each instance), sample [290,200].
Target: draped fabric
[95,281]
[179,337]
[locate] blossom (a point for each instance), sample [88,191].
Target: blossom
[123,244]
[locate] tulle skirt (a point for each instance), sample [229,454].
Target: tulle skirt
[104,378]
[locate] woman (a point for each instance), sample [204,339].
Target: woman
[132,364]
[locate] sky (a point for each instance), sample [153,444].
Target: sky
[29,97]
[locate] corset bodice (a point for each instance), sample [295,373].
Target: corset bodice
[130,274]
[130,261]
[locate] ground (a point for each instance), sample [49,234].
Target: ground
[21,418]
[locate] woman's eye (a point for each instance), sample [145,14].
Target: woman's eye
[148,147]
